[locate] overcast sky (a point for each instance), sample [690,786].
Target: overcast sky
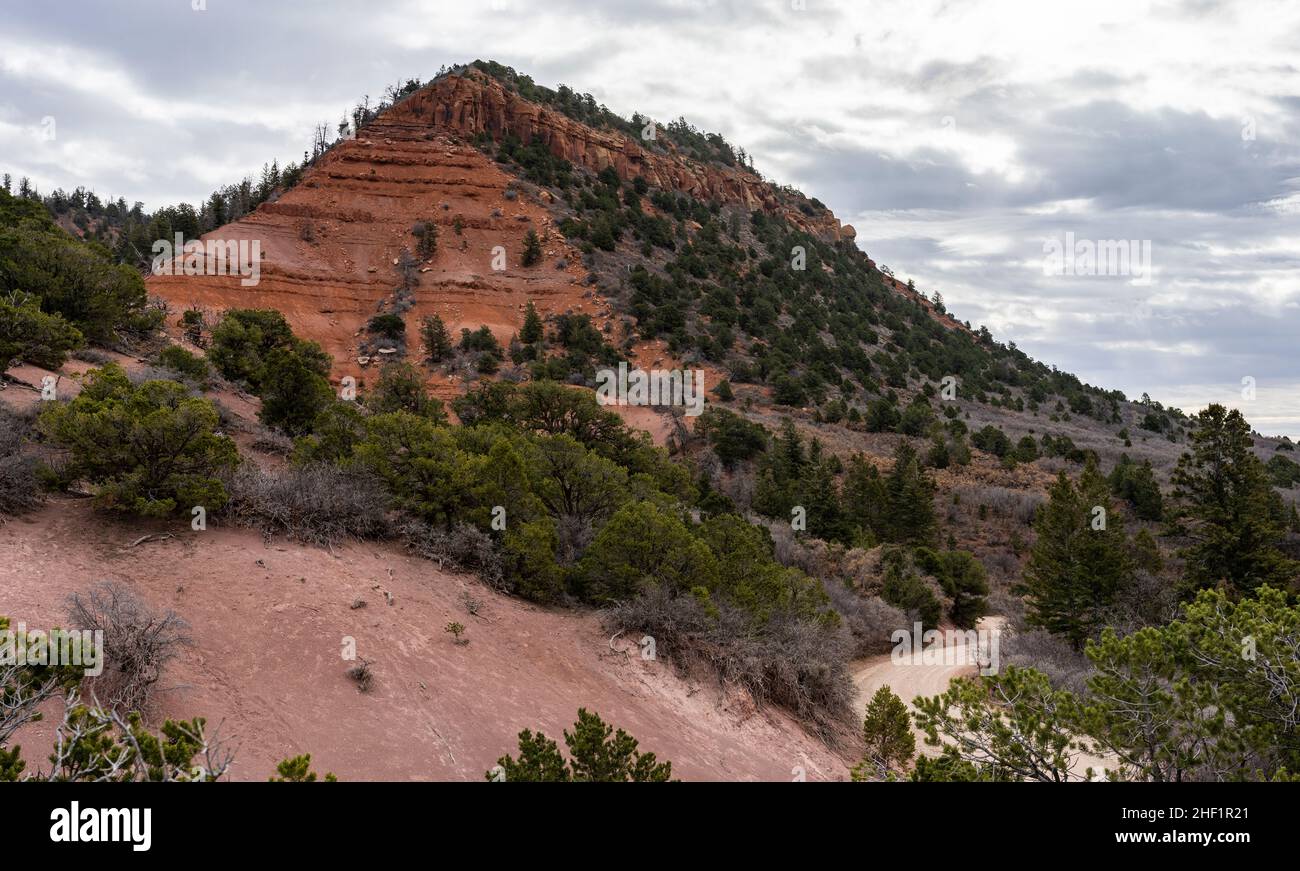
[958,137]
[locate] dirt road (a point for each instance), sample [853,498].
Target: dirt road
[911,679]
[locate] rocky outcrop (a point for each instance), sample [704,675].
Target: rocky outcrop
[470,102]
[331,246]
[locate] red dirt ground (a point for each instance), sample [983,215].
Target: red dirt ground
[268,621]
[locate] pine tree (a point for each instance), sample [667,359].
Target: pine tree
[820,496]
[964,581]
[887,733]
[909,498]
[864,496]
[1137,485]
[789,454]
[1080,560]
[599,754]
[903,588]
[1230,511]
[532,248]
[217,210]
[532,329]
[437,342]
[426,234]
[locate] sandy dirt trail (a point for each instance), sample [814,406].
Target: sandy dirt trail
[911,679]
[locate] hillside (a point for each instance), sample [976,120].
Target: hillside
[267,621]
[681,255]
[865,461]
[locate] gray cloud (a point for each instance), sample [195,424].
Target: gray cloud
[956,136]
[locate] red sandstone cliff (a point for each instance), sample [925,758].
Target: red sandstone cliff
[330,244]
[471,102]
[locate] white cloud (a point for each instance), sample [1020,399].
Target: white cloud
[954,136]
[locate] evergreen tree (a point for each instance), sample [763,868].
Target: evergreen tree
[904,589]
[401,388]
[150,449]
[789,454]
[1229,509]
[1136,484]
[731,436]
[909,499]
[217,210]
[819,494]
[532,329]
[598,754]
[963,580]
[1080,560]
[426,234]
[937,457]
[532,248]
[293,392]
[28,334]
[619,563]
[887,733]
[437,341]
[298,770]
[864,496]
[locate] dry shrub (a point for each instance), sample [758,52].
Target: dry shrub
[799,665]
[317,503]
[870,619]
[862,569]
[362,675]
[1064,666]
[812,556]
[94,356]
[228,420]
[472,603]
[1008,605]
[1004,565]
[463,548]
[271,442]
[20,488]
[739,488]
[150,372]
[1152,600]
[138,643]
[575,533]
[1016,505]
[855,567]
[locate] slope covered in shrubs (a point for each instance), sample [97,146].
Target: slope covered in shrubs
[56,290]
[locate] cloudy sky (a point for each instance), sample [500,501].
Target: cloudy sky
[959,137]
